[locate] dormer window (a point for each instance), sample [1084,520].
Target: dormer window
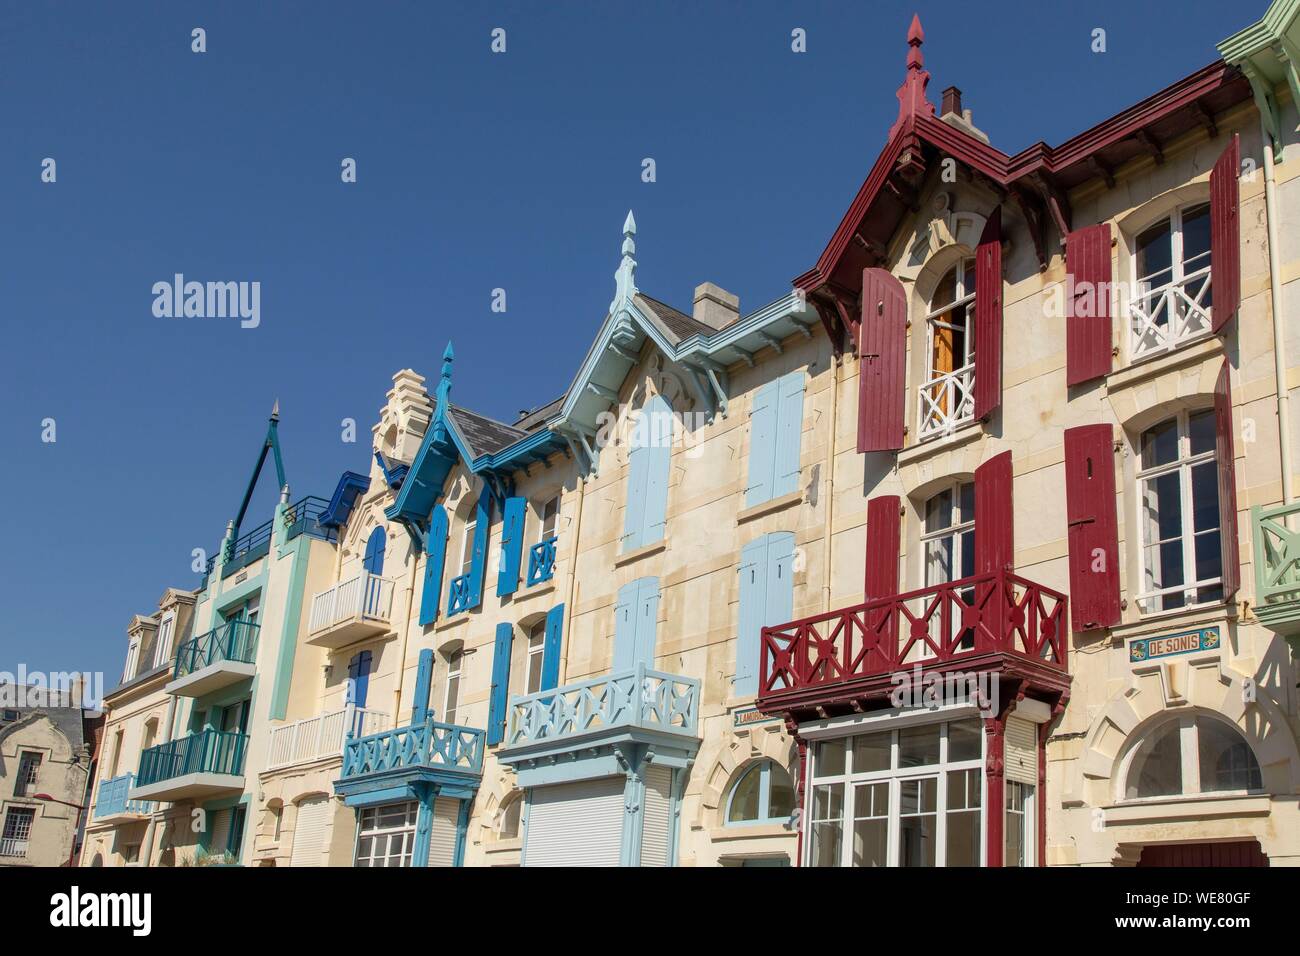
[1171,264]
[947,396]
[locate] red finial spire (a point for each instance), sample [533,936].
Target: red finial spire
[911,95]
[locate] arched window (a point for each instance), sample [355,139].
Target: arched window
[509,829]
[763,794]
[1192,754]
[947,396]
[1171,263]
[376,544]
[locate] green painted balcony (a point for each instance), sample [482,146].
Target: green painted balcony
[201,766]
[1275,533]
[223,656]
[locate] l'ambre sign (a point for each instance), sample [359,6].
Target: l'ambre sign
[1184,642]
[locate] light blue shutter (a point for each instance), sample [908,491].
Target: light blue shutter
[435,552]
[512,546]
[637,472]
[657,470]
[478,567]
[780,578]
[551,647]
[789,430]
[496,728]
[625,626]
[753,607]
[762,444]
[423,680]
[647,616]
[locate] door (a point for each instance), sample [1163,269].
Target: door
[1244,853]
[309,832]
[575,824]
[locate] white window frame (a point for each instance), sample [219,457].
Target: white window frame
[535,652]
[405,833]
[1183,464]
[467,545]
[16,845]
[132,659]
[1190,761]
[895,777]
[451,688]
[1028,811]
[958,386]
[764,769]
[554,519]
[163,646]
[1191,320]
[29,769]
[956,529]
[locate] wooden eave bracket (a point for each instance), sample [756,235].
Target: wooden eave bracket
[1029,208]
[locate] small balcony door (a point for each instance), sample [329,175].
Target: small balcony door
[376,544]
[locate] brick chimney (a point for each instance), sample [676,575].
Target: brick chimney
[951,101]
[715,306]
[952,113]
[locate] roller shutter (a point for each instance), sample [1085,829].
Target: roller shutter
[656,820]
[309,832]
[1020,750]
[575,824]
[442,835]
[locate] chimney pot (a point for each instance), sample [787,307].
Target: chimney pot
[951,101]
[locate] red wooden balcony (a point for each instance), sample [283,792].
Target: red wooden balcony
[995,621]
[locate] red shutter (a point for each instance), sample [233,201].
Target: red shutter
[988,317]
[1227,483]
[994,543]
[1087,304]
[882,547]
[1093,530]
[883,350]
[1225,235]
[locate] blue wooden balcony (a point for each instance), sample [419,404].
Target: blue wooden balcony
[223,656]
[606,722]
[541,562]
[114,803]
[1277,568]
[402,763]
[206,764]
[458,594]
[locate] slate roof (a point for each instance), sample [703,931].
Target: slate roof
[483,435]
[681,325]
[532,420]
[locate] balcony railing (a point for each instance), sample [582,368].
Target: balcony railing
[113,800]
[541,561]
[639,698]
[1277,566]
[362,598]
[210,751]
[427,744]
[11,846]
[987,613]
[301,517]
[946,401]
[232,641]
[1161,318]
[458,594]
[316,738]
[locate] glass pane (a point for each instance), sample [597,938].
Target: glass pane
[1016,822]
[780,800]
[938,512]
[830,758]
[965,555]
[871,842]
[945,293]
[917,823]
[1155,254]
[918,746]
[965,740]
[963,842]
[1157,769]
[1209,556]
[1226,760]
[1200,431]
[744,799]
[828,801]
[871,752]
[1160,444]
[1196,238]
[966,502]
[1205,496]
[826,843]
[938,561]
[968,278]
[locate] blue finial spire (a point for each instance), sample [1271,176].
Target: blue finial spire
[444,384]
[625,277]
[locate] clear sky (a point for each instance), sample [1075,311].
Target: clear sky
[475,171]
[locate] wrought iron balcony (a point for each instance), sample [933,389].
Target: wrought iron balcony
[322,736]
[640,699]
[223,656]
[541,561]
[351,610]
[458,594]
[989,621]
[1277,567]
[205,764]
[447,756]
[114,800]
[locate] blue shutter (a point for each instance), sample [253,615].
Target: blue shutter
[512,546]
[789,430]
[658,458]
[625,626]
[753,607]
[423,680]
[762,444]
[435,553]
[496,727]
[780,578]
[478,566]
[359,679]
[637,471]
[551,649]
[375,546]
[647,616]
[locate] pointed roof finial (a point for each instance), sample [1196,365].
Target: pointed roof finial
[275,411]
[911,95]
[444,384]
[625,277]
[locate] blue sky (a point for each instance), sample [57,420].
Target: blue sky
[475,171]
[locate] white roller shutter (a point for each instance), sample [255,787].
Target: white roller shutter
[309,832]
[656,819]
[575,824]
[442,835]
[220,833]
[1020,750]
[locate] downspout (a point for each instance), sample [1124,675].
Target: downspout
[573,575]
[830,481]
[1279,335]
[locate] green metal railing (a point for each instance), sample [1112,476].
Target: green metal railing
[232,641]
[211,751]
